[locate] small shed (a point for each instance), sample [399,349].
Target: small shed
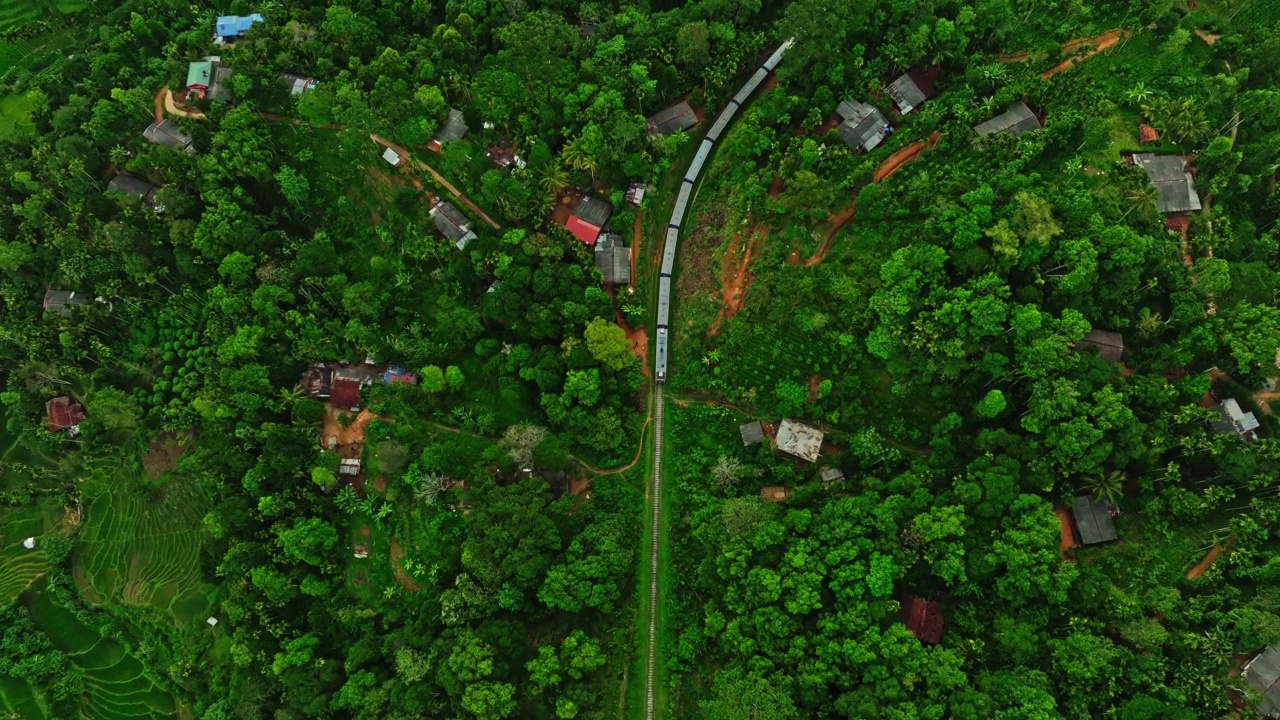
[635,193]
[911,89]
[1169,174]
[166,133]
[132,186]
[1147,134]
[504,156]
[1263,674]
[345,393]
[923,618]
[671,120]
[60,301]
[800,440]
[1233,419]
[1092,518]
[218,90]
[613,259]
[775,493]
[453,128]
[392,157]
[452,224]
[29,543]
[211,621]
[864,126]
[1110,344]
[349,466]
[317,381]
[752,433]
[588,219]
[830,475]
[298,84]
[1015,120]
[230,28]
[63,413]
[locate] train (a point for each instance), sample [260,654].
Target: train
[682,204]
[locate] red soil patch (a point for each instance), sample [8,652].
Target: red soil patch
[636,236]
[380,483]
[1204,564]
[814,382]
[900,158]
[774,493]
[564,206]
[578,486]
[397,566]
[1264,398]
[159,117]
[1068,538]
[735,275]
[793,258]
[1105,41]
[639,341]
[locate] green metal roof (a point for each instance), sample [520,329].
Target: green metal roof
[198,73]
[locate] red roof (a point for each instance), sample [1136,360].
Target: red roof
[583,230]
[63,412]
[923,618]
[1147,134]
[345,393]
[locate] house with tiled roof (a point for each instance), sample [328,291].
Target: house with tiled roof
[588,219]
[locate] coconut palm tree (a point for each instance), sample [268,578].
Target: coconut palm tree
[1142,198]
[1108,487]
[554,179]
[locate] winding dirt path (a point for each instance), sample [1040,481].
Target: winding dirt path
[1099,43]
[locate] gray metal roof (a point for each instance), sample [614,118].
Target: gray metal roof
[1015,120]
[218,89]
[752,433]
[864,129]
[1110,344]
[831,474]
[167,133]
[1262,673]
[453,128]
[1093,520]
[298,84]
[613,259]
[906,94]
[593,210]
[131,185]
[451,223]
[1234,418]
[60,300]
[849,110]
[1169,174]
[673,119]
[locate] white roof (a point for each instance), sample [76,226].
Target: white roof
[29,543]
[796,438]
[391,156]
[212,621]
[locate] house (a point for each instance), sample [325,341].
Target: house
[129,185]
[830,475]
[392,157]
[1015,120]
[230,28]
[166,133]
[504,156]
[1110,344]
[671,120]
[349,466]
[298,84]
[1235,420]
[613,259]
[1169,174]
[317,381]
[911,89]
[199,77]
[453,128]
[1263,674]
[752,433]
[923,618]
[60,301]
[1092,520]
[345,393]
[800,440]
[588,219]
[635,193]
[63,413]
[1147,134]
[451,223]
[218,90]
[864,126]
[775,493]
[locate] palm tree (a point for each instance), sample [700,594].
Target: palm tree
[459,86]
[1138,95]
[290,395]
[1074,165]
[1108,487]
[554,179]
[1143,198]
[118,155]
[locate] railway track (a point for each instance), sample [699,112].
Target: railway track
[683,200]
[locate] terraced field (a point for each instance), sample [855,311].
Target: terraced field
[20,567]
[17,699]
[140,546]
[117,686]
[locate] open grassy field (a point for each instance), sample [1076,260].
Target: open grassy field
[116,686]
[141,546]
[15,116]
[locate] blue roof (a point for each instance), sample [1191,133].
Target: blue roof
[229,25]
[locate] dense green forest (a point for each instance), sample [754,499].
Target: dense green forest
[220,498]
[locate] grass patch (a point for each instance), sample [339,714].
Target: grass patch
[18,699]
[20,567]
[15,116]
